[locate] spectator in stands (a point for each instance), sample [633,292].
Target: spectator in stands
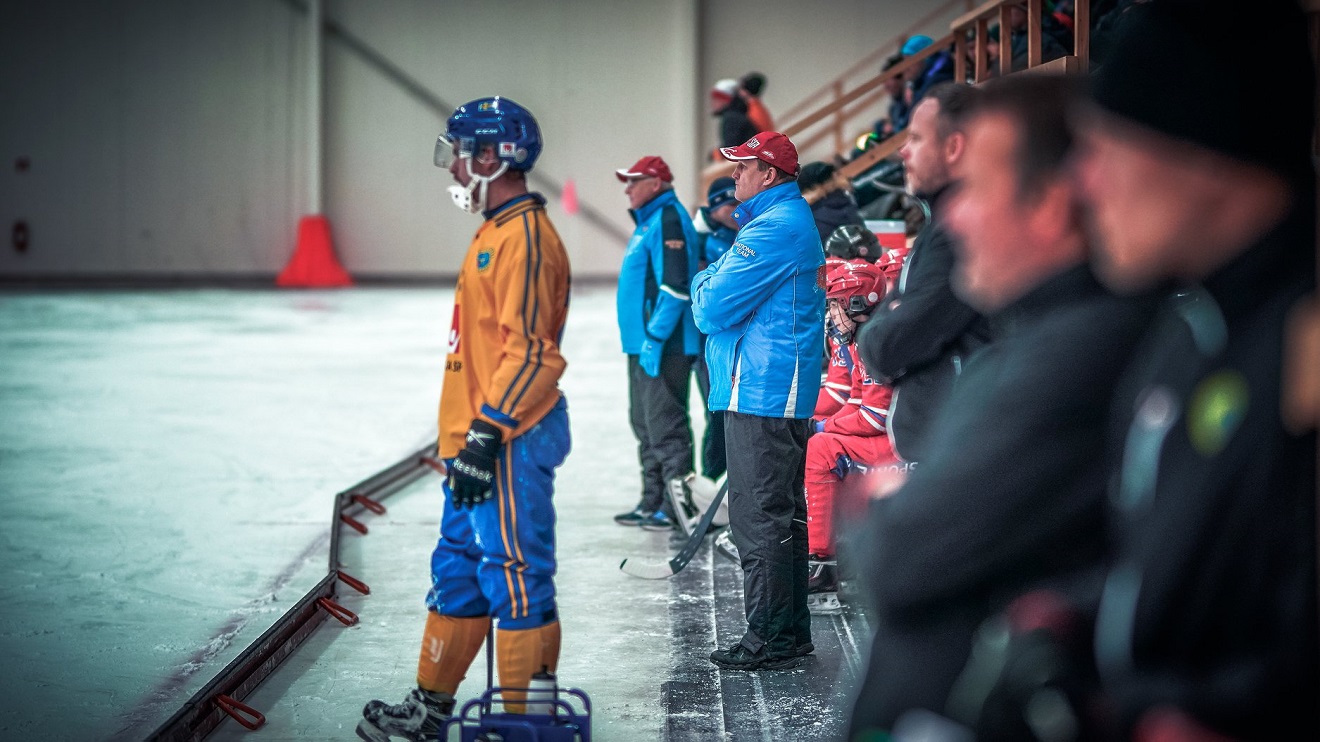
[659,337]
[763,310]
[1106,16]
[920,340]
[1208,619]
[1055,38]
[716,231]
[830,197]
[896,88]
[936,69]
[728,104]
[850,421]
[750,88]
[1024,429]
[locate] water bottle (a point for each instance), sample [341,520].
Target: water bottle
[541,692]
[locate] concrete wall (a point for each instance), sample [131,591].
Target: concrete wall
[165,137]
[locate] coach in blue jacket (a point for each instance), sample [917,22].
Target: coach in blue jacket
[658,334]
[762,307]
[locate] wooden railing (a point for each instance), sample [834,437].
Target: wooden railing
[977,23]
[836,87]
[846,105]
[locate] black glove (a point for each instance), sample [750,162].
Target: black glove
[473,471]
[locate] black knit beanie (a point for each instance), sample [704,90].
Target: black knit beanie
[1233,77]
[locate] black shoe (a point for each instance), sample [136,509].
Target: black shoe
[658,521]
[805,649]
[633,517]
[739,657]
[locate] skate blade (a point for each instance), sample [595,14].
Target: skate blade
[680,508]
[370,732]
[824,604]
[724,545]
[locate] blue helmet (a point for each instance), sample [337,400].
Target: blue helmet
[499,122]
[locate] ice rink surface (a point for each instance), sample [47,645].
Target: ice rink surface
[168,462]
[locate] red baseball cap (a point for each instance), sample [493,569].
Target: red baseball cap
[768,146]
[650,166]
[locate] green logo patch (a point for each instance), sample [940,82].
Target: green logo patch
[1218,407]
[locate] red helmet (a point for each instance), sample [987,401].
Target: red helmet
[859,284]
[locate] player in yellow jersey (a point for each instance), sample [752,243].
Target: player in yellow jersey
[503,428]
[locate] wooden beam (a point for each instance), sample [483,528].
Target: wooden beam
[982,55]
[1034,21]
[1069,65]
[1082,32]
[1005,42]
[984,10]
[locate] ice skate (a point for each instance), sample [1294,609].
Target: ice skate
[823,586]
[724,543]
[701,493]
[686,513]
[417,719]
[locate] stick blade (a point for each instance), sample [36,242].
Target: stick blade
[646,570]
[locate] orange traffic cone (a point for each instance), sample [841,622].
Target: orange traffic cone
[314,264]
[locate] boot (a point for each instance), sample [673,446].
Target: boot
[417,719]
[823,585]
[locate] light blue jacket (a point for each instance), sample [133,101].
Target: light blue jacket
[763,307]
[652,299]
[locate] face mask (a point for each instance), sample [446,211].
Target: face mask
[462,195]
[839,324]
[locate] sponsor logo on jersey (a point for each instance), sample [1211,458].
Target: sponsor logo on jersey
[675,244]
[453,331]
[483,260]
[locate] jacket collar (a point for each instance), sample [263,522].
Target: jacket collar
[1283,256]
[649,208]
[763,201]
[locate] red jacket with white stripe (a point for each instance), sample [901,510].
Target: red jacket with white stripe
[866,411]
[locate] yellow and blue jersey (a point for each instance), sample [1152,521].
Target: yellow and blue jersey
[510,306]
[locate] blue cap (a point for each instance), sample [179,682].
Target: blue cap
[916,43]
[720,192]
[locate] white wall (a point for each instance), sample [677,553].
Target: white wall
[160,135]
[166,136]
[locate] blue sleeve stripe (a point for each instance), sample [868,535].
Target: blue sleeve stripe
[532,268]
[538,341]
[527,280]
[498,416]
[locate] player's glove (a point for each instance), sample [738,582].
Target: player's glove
[473,471]
[650,356]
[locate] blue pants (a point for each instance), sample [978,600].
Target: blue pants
[498,559]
